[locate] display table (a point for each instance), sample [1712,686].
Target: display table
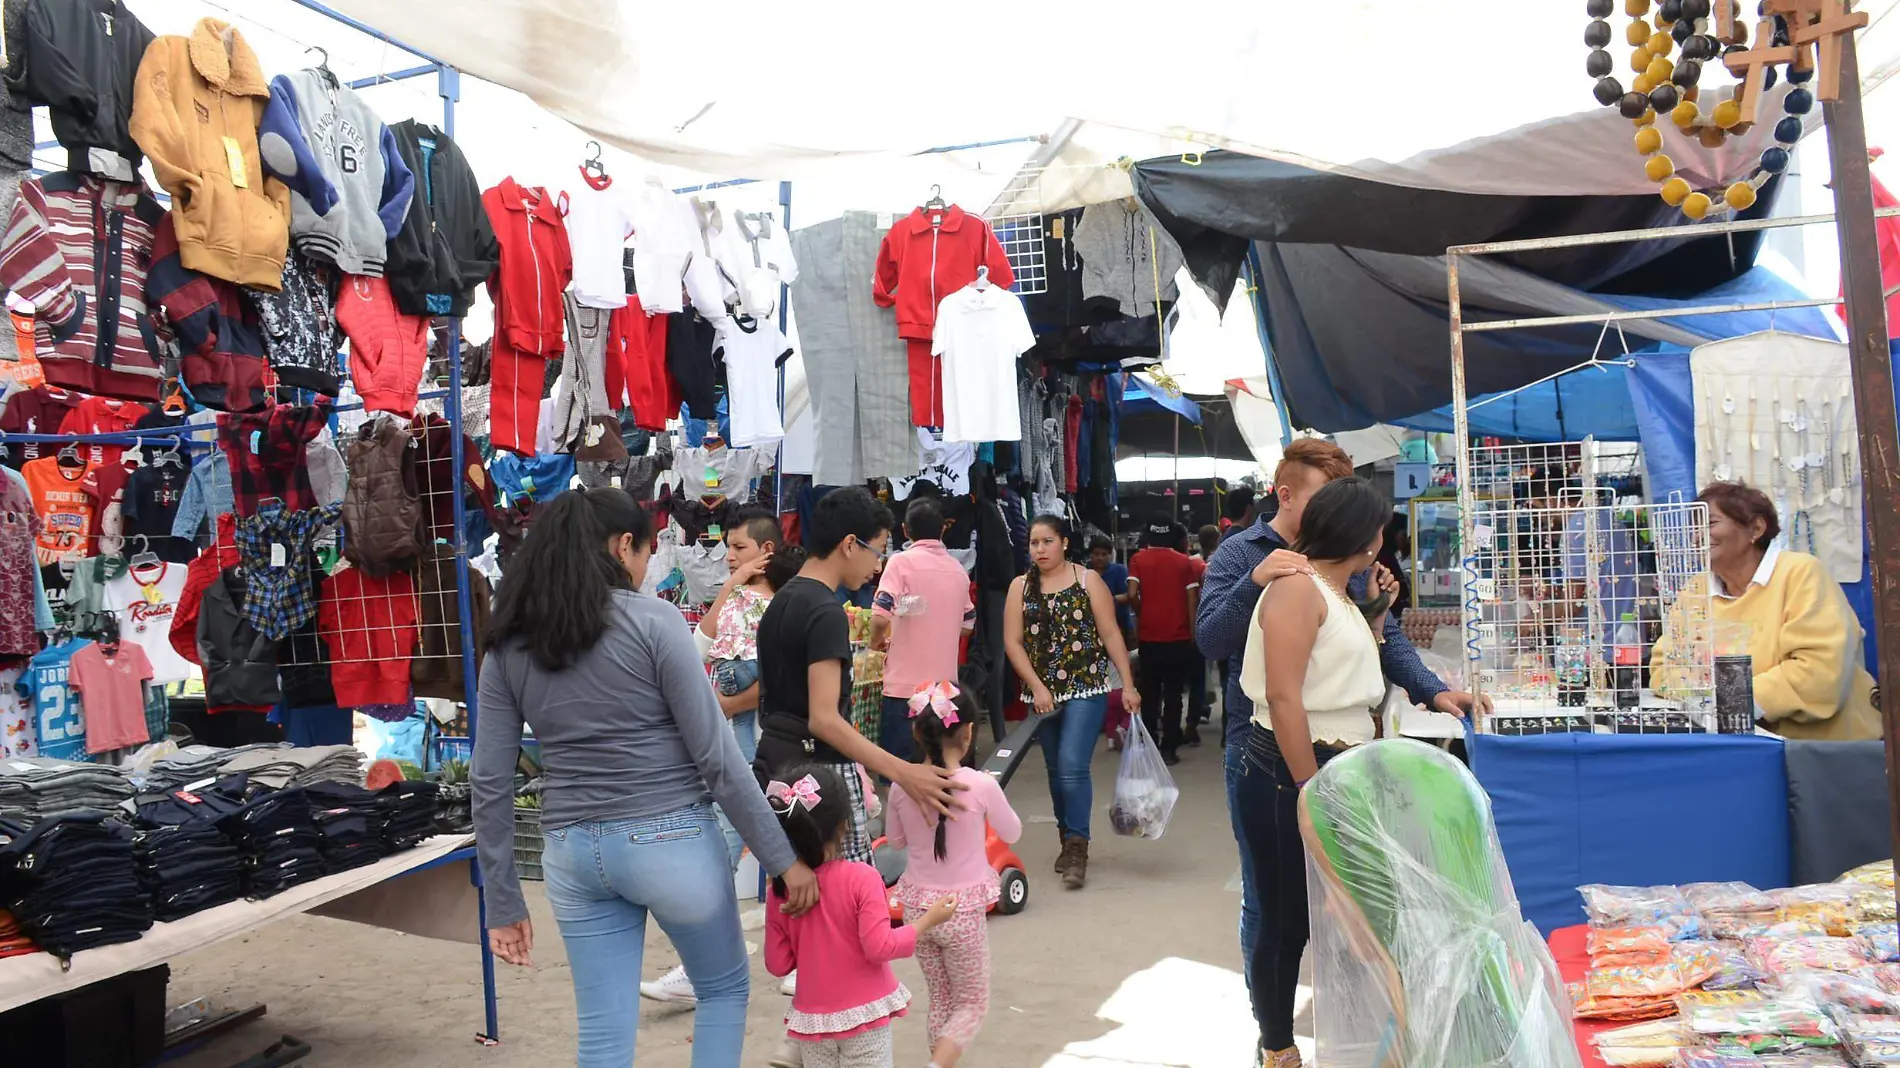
[1571,947]
[426,890]
[1574,809]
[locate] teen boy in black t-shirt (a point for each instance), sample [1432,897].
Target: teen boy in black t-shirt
[805,663]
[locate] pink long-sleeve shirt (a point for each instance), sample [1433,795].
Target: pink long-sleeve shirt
[842,950]
[966,861]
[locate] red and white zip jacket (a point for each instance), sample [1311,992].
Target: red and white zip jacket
[919,264]
[536,267]
[78,248]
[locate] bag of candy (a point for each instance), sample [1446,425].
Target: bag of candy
[1806,954]
[1855,994]
[1612,947]
[1829,904]
[1641,906]
[1739,900]
[1734,971]
[1881,941]
[1874,904]
[1879,873]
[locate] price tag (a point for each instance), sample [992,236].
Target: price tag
[1487,589]
[1484,536]
[614,482]
[200,784]
[885,220]
[527,484]
[21,765]
[152,594]
[188,797]
[715,532]
[234,157]
[278,557]
[257,438]
[594,434]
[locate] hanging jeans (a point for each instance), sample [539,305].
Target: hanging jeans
[1268,810]
[604,877]
[1068,747]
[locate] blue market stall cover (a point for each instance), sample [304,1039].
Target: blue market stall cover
[1141,397]
[1607,404]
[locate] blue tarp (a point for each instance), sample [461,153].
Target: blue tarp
[1599,402]
[1139,396]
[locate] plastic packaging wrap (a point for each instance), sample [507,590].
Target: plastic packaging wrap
[1734,970]
[1421,957]
[1881,941]
[1144,791]
[1778,1026]
[1831,905]
[1731,910]
[1806,954]
[1642,906]
[1857,994]
[1614,947]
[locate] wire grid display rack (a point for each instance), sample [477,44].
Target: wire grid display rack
[1581,609]
[1016,216]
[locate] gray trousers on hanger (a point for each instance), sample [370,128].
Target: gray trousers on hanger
[854,361]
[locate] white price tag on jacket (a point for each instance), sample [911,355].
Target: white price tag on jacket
[278,557]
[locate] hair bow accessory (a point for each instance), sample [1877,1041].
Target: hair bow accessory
[803,792]
[938,697]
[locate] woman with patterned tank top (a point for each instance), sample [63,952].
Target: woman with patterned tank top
[1060,632]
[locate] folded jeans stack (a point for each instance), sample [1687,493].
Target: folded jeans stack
[349,824]
[274,832]
[71,882]
[280,768]
[409,813]
[36,788]
[185,862]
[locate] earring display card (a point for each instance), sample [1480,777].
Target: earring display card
[1776,411]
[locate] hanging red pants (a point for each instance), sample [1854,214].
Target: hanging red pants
[514,397]
[926,384]
[650,389]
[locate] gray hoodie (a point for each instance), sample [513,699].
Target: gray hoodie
[350,189]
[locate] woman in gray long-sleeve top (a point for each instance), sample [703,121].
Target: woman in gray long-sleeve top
[634,751]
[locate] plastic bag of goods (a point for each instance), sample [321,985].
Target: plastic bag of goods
[1144,791]
[1421,956]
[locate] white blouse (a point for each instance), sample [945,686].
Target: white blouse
[1343,676]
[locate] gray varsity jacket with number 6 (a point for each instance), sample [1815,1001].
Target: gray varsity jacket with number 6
[350,188]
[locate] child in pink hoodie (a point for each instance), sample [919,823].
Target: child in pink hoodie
[847,994]
[951,857]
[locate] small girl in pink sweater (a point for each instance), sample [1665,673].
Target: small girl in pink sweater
[951,857]
[847,994]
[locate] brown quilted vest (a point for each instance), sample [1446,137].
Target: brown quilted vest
[382,511]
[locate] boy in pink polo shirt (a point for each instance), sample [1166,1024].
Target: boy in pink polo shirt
[921,613]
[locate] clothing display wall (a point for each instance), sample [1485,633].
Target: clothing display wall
[1776,411]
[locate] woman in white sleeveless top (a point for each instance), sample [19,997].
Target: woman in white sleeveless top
[1312,670]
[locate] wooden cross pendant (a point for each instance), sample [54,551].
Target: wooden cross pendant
[1752,66]
[1833,20]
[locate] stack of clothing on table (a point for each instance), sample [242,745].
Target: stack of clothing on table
[34,788]
[71,883]
[349,824]
[274,832]
[193,763]
[185,862]
[279,768]
[408,813]
[13,941]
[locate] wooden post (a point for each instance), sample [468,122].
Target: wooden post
[1873,389]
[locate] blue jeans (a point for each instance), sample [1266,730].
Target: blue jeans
[1068,748]
[893,728]
[745,727]
[603,878]
[1234,759]
[734,676]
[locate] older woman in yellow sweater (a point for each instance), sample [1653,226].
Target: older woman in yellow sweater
[1804,638]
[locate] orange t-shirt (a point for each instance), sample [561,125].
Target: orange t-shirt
[65,509]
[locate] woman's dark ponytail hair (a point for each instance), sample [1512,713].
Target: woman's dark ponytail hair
[1033,577]
[1342,520]
[810,830]
[929,730]
[559,586]
[786,561]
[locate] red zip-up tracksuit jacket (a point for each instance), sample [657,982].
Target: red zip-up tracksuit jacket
[918,265]
[530,320]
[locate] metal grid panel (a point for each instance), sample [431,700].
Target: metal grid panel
[1017,219]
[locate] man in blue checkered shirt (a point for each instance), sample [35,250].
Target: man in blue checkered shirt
[1236,574]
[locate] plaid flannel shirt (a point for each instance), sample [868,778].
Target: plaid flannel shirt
[266,453]
[279,599]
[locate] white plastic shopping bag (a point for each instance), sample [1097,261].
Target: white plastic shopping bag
[1144,791]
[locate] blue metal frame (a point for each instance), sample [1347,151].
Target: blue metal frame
[1251,273]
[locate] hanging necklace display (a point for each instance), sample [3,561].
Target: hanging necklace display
[1724,472]
[1754,436]
[1830,433]
[1708,31]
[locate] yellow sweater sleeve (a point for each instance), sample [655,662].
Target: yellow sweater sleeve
[1810,681]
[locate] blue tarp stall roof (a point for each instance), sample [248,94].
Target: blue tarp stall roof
[1599,401]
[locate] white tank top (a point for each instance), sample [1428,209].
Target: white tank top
[1343,676]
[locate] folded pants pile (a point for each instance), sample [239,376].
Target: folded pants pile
[409,813]
[71,882]
[349,824]
[184,861]
[275,834]
[34,788]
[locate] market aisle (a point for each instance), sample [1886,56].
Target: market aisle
[1156,920]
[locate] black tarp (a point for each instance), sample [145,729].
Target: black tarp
[1352,276]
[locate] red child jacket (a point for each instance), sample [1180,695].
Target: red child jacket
[919,264]
[536,266]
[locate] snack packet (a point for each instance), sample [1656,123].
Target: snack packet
[1806,954]
[1613,947]
[1855,994]
[1829,904]
[1879,873]
[1881,941]
[1641,906]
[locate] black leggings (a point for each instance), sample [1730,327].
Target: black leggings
[1269,816]
[1164,671]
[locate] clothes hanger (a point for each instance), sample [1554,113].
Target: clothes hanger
[69,456]
[982,279]
[935,207]
[145,557]
[592,164]
[323,63]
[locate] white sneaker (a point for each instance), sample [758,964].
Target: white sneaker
[673,986]
[789,986]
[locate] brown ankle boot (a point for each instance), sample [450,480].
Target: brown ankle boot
[1067,856]
[1077,872]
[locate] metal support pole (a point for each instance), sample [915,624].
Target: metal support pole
[1873,386]
[1461,430]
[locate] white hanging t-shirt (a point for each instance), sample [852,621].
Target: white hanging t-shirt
[752,349]
[145,599]
[599,222]
[980,334]
[944,463]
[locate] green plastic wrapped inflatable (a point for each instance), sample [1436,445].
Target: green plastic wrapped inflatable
[1421,957]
